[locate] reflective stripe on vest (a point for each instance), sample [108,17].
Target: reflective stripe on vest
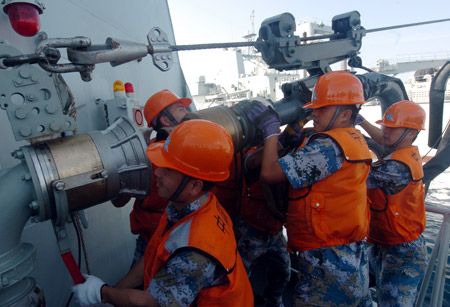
[208,229]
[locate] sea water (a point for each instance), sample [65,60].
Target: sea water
[439,189]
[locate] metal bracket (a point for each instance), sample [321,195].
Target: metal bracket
[60,186]
[79,180]
[283,50]
[61,206]
[61,237]
[160,48]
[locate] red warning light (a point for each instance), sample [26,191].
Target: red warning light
[129,88]
[24,18]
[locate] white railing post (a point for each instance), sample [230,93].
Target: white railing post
[439,254]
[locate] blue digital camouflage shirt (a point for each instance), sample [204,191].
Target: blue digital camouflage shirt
[399,268]
[335,275]
[390,176]
[179,281]
[313,162]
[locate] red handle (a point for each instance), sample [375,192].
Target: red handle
[73,268]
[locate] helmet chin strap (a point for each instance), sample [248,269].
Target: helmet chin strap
[393,146]
[180,188]
[338,109]
[170,116]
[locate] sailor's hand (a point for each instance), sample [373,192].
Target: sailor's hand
[89,292]
[297,127]
[293,133]
[265,118]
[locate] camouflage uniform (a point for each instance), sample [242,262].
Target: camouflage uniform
[399,269]
[309,164]
[180,280]
[255,244]
[391,176]
[332,276]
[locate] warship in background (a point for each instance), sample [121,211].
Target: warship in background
[251,77]
[244,74]
[418,85]
[426,66]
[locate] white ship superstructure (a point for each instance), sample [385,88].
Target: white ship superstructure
[425,66]
[418,86]
[245,75]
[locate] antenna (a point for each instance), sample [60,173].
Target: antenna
[250,37]
[252,21]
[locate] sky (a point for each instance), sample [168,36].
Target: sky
[203,21]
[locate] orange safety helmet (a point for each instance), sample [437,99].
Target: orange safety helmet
[198,148]
[336,88]
[406,114]
[159,101]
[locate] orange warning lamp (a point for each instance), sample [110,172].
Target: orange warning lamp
[119,90]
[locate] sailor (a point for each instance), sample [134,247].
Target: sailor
[397,203]
[192,257]
[163,109]
[328,214]
[261,234]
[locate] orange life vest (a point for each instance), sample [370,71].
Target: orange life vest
[254,208]
[227,192]
[400,217]
[255,211]
[333,211]
[146,213]
[210,230]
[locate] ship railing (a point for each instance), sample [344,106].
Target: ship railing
[438,259]
[414,57]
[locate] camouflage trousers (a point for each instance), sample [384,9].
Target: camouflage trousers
[333,276]
[255,245]
[399,270]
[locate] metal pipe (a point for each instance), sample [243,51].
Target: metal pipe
[437,97]
[77,172]
[387,89]
[228,119]
[17,259]
[60,176]
[16,196]
[242,131]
